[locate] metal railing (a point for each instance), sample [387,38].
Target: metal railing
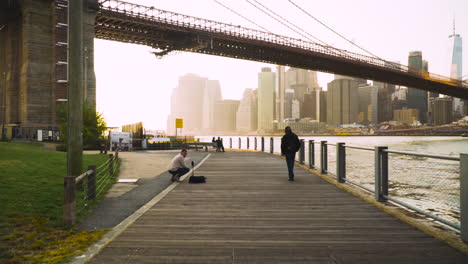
[433,185]
[91,186]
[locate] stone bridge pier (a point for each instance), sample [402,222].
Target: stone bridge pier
[33,64]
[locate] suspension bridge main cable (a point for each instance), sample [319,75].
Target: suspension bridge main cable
[237,13]
[325,45]
[329,28]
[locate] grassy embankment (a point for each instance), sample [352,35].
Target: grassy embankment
[31,205]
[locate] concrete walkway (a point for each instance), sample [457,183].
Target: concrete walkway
[123,199]
[248,212]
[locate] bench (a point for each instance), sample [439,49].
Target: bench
[197,145]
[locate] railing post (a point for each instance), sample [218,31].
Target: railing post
[263,144]
[239,143]
[230,142]
[302,152]
[248,143]
[464,196]
[311,154]
[381,174]
[323,157]
[271,145]
[111,164]
[91,193]
[69,200]
[255,141]
[340,162]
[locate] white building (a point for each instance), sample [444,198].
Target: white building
[247,112]
[266,99]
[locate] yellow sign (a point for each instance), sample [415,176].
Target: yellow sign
[179,123]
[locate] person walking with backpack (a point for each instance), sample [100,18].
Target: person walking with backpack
[290,144]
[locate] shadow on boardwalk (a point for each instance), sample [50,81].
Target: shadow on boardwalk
[248,212]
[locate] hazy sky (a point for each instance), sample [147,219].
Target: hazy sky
[133,85]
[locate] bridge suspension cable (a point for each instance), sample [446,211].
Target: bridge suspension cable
[324,44]
[334,31]
[237,13]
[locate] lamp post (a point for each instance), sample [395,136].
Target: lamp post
[75,107]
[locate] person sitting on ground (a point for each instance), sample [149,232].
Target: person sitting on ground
[177,165]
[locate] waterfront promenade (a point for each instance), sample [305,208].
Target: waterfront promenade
[248,212]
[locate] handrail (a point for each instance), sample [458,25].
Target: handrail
[83,176]
[361,148]
[422,155]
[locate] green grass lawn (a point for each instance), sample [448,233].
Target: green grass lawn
[31,204]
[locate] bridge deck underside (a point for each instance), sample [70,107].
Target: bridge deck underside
[121,27]
[247,212]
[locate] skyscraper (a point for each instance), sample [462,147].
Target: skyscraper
[314,105]
[364,102]
[309,107]
[288,101]
[342,102]
[225,115]
[193,100]
[212,94]
[280,92]
[456,68]
[247,112]
[441,111]
[417,99]
[266,99]
[384,101]
[301,81]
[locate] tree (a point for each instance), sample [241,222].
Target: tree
[94,126]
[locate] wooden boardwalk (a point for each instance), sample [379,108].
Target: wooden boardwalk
[248,212]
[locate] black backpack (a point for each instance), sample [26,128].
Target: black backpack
[197,179]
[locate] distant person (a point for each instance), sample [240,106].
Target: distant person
[290,144]
[220,145]
[177,166]
[215,143]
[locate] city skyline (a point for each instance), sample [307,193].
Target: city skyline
[135,75]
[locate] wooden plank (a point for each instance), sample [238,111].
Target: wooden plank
[248,212]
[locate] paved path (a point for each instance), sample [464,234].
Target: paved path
[248,212]
[123,199]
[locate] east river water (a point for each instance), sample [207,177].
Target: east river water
[427,183]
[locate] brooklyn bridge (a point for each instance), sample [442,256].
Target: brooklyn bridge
[34,42]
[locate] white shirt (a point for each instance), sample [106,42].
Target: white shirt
[177,162]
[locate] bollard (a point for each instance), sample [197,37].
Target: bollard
[464,196]
[91,193]
[302,152]
[248,143]
[271,145]
[239,143]
[111,164]
[263,144]
[341,162]
[230,142]
[323,157]
[311,154]
[381,174]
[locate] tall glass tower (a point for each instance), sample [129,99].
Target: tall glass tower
[456,70]
[416,98]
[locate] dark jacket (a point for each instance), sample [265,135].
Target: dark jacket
[290,143]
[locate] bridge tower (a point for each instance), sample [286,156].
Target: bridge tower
[33,63]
